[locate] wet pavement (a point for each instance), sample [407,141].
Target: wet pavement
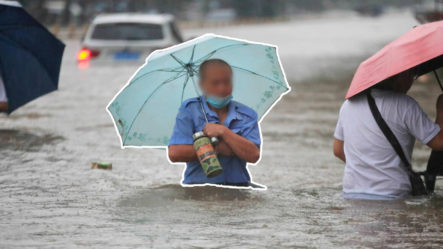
[50,198]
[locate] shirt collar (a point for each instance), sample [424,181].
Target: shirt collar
[232,111]
[209,112]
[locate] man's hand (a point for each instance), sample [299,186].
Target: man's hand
[437,142]
[239,145]
[4,107]
[214,130]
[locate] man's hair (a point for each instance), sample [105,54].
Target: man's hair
[209,62]
[388,84]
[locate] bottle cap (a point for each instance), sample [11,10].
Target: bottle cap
[198,135]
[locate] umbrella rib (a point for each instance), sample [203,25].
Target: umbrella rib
[178,75]
[184,86]
[192,55]
[179,61]
[206,57]
[173,70]
[194,70]
[260,75]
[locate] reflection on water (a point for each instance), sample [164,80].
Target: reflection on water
[24,140]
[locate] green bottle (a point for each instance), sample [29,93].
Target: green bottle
[206,154]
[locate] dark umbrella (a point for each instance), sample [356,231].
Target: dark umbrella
[30,56]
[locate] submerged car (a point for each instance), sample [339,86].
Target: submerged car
[128,36]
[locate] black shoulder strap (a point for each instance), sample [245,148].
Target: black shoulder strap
[417,185]
[388,133]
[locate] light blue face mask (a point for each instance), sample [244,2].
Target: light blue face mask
[218,102]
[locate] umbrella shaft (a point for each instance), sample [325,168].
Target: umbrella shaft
[438,80]
[203,109]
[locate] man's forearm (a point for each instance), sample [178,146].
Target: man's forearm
[222,148]
[339,151]
[182,153]
[241,146]
[186,153]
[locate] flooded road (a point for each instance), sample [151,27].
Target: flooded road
[50,198]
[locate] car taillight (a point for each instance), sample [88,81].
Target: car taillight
[85,54]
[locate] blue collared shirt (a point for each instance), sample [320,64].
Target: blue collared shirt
[240,119]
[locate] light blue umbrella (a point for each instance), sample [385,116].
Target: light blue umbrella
[144,110]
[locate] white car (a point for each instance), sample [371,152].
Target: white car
[128,36]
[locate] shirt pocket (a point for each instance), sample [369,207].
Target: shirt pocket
[199,123]
[236,126]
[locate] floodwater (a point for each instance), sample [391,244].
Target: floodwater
[50,198]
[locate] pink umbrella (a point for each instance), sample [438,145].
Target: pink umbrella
[421,47]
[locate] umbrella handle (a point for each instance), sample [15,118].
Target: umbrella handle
[438,79]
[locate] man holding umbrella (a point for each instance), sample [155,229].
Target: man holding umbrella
[373,168]
[378,123]
[187,94]
[234,123]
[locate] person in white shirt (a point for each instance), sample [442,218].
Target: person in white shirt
[373,169]
[3,98]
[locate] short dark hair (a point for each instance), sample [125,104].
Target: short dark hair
[209,62]
[388,84]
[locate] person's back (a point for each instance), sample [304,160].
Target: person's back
[373,168]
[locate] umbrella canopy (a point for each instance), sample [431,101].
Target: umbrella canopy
[421,47]
[30,56]
[144,110]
